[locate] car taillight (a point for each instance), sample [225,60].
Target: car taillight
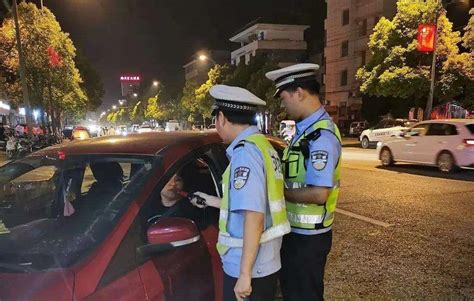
[61,155]
[469,142]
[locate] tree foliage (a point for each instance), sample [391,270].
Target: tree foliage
[397,69]
[153,110]
[203,100]
[92,83]
[468,38]
[55,89]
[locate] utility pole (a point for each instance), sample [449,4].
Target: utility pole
[24,86]
[429,104]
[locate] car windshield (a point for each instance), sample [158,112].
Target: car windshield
[54,212]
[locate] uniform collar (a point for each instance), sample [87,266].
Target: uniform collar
[241,136]
[308,121]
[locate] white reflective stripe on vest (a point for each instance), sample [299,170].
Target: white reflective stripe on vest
[329,215]
[305,218]
[294,185]
[223,214]
[277,206]
[267,235]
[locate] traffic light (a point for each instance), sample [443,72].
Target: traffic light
[426,37]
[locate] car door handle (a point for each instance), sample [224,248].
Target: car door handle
[442,142]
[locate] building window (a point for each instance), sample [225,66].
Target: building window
[345,48]
[345,17]
[344,78]
[363,28]
[362,58]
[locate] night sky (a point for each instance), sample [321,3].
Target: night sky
[155,38]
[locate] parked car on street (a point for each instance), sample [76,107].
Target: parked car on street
[383,130]
[172,125]
[79,221]
[448,144]
[80,133]
[356,128]
[145,128]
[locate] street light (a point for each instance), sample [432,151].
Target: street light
[204,58]
[114,107]
[156,83]
[135,95]
[122,101]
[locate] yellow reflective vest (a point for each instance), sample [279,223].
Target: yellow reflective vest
[310,216]
[275,193]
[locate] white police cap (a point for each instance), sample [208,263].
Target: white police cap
[235,98]
[288,75]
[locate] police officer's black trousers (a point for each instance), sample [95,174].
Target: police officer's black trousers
[303,258]
[263,289]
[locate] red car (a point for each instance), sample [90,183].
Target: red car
[78,221]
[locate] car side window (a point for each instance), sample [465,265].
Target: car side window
[169,198]
[418,130]
[380,125]
[442,129]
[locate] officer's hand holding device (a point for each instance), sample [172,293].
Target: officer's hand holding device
[209,200]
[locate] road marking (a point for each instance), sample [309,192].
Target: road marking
[364,218]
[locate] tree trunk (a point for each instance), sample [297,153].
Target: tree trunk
[51,110]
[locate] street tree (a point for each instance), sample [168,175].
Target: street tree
[468,38]
[153,109]
[203,100]
[188,100]
[397,69]
[51,74]
[92,83]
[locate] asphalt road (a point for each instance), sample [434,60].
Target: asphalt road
[405,232]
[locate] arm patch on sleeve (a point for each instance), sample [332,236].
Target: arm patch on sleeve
[319,159]
[241,175]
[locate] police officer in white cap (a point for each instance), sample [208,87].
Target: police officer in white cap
[252,211]
[311,165]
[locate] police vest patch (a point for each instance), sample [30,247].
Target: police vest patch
[241,175]
[319,159]
[276,165]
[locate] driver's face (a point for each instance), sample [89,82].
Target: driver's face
[173,187]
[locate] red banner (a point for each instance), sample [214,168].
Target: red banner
[426,37]
[54,57]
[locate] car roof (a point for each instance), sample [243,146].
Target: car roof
[467,121]
[133,144]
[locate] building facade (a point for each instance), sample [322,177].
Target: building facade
[348,26]
[281,43]
[200,64]
[129,84]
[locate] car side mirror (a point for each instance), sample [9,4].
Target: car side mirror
[169,233]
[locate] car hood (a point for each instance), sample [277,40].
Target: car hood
[48,285]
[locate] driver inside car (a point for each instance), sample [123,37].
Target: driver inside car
[172,204]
